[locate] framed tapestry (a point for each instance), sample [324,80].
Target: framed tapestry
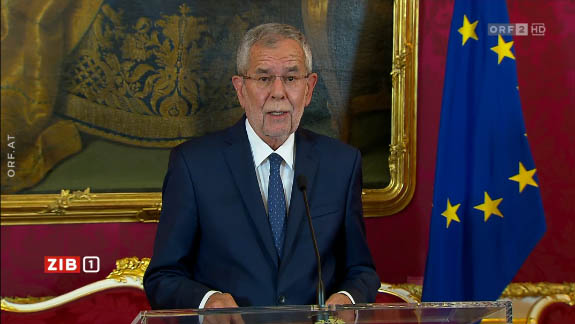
[96,93]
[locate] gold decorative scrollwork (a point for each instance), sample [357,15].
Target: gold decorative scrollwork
[123,82]
[396,153]
[26,300]
[529,289]
[331,320]
[415,290]
[5,307]
[155,80]
[129,267]
[150,214]
[64,201]
[400,61]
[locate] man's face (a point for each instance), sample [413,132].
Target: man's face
[275,110]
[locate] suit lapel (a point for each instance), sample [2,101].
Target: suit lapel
[306,163]
[240,161]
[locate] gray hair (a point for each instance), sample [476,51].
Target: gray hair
[270,34]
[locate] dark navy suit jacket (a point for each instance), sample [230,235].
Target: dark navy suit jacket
[214,233]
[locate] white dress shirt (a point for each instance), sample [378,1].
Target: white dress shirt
[260,152]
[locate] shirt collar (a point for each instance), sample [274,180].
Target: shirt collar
[261,151]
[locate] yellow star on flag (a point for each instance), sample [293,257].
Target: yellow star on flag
[489,207]
[503,49]
[451,213]
[468,30]
[524,177]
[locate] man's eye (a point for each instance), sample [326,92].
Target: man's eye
[264,79]
[289,78]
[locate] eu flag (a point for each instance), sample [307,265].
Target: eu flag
[487,213]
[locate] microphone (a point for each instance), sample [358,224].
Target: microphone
[302,185]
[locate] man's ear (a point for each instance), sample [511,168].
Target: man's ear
[310,85]
[238,83]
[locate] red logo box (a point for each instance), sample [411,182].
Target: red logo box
[62,264]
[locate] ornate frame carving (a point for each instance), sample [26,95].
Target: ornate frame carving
[402,158]
[80,207]
[87,207]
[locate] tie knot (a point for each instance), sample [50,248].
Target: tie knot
[275,161]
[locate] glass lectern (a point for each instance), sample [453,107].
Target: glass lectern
[427,313]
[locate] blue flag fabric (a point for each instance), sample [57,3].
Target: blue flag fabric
[487,213]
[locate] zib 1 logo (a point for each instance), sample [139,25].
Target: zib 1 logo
[71,264]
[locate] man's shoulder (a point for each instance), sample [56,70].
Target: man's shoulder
[205,147]
[207,141]
[327,144]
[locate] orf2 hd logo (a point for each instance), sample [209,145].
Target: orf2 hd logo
[71,264]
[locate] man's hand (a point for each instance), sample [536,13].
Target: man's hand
[348,316]
[337,299]
[221,300]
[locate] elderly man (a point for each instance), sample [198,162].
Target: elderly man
[233,229]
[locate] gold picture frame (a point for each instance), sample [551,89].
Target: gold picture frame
[87,207]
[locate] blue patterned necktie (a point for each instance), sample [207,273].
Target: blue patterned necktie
[276,202]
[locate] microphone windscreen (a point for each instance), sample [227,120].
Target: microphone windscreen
[301,182]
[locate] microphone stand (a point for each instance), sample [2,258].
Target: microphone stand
[302,184]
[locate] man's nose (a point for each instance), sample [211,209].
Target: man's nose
[278,90]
